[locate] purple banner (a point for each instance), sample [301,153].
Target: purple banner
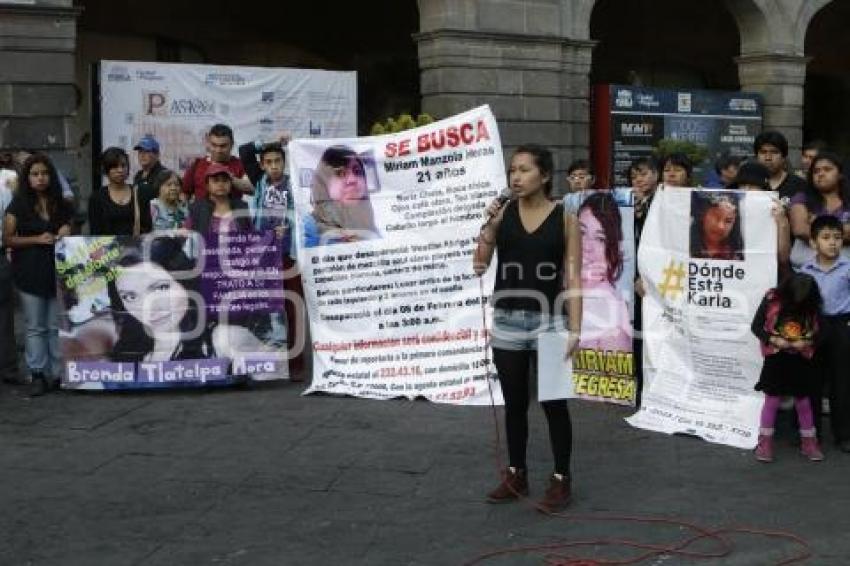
[99,372]
[171,310]
[243,273]
[183,371]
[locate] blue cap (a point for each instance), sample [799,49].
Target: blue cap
[147,143]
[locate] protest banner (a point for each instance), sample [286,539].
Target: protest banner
[386,228]
[703,285]
[602,367]
[170,310]
[177,103]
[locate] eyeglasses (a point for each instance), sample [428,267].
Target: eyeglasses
[579,177]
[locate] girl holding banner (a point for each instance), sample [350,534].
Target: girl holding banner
[539,248]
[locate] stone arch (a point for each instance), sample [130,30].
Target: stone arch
[576,16]
[808,11]
[753,24]
[827,87]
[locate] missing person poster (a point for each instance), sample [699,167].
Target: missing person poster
[602,368]
[386,228]
[706,259]
[173,310]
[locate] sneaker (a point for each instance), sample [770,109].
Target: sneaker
[513,485]
[39,385]
[810,449]
[557,496]
[764,449]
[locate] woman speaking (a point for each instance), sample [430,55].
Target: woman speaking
[539,250]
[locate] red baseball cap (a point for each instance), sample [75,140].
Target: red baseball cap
[217,169]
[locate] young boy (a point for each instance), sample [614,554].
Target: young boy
[580,176]
[273,208]
[832,273]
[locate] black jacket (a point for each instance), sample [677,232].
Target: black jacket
[144,188]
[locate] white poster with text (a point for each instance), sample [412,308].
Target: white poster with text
[386,228]
[706,258]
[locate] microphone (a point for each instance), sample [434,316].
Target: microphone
[503,198]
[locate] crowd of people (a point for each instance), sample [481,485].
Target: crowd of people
[802,324]
[218,193]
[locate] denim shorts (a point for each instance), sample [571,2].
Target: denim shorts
[519,329]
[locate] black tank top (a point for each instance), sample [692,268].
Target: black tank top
[529,262]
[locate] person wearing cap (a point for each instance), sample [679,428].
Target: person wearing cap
[219,147]
[221,210]
[147,150]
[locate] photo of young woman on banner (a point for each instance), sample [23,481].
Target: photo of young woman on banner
[707,258]
[602,367]
[342,210]
[136,314]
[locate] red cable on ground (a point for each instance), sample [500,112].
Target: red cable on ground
[652,550]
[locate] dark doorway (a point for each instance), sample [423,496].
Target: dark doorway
[376,43]
[665,43]
[826,113]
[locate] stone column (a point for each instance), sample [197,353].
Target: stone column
[779,78]
[38,94]
[512,56]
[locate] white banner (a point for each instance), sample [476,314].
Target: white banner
[706,259]
[177,104]
[385,229]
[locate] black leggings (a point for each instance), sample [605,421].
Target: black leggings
[514,369]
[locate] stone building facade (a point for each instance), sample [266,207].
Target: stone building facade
[531,60]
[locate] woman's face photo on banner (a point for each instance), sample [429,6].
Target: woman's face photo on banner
[606,319]
[156,313]
[152,296]
[340,188]
[716,231]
